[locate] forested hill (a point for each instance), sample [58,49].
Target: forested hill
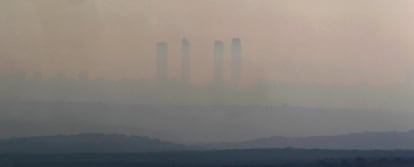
[86,143]
[359,141]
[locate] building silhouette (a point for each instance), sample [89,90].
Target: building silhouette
[410,77]
[236,60]
[83,76]
[162,60]
[37,76]
[185,60]
[218,61]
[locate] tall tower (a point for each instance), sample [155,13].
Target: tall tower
[218,61]
[185,60]
[236,60]
[410,77]
[162,60]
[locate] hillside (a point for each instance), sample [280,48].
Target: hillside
[86,143]
[360,141]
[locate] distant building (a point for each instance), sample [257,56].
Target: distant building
[236,60]
[218,61]
[20,76]
[410,77]
[59,77]
[162,60]
[185,60]
[37,76]
[83,76]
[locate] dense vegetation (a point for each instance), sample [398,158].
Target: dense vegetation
[229,158]
[85,143]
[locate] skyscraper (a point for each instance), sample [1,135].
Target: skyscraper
[410,77]
[218,61]
[236,60]
[185,60]
[162,60]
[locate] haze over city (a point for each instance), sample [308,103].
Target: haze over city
[286,41]
[206,71]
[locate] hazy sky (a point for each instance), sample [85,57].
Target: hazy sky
[365,43]
[326,41]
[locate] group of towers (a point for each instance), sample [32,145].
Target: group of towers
[218,69]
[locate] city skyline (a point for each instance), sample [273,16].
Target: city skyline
[206,70]
[162,56]
[115,39]
[162,63]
